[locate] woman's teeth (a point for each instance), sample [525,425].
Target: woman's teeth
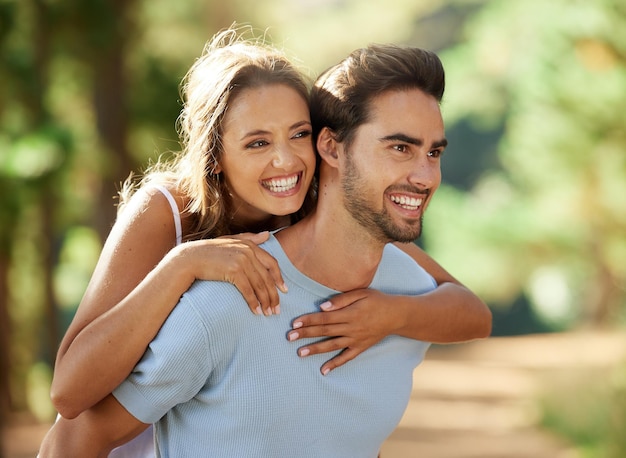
[281,185]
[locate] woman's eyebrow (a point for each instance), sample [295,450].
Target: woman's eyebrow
[256,132]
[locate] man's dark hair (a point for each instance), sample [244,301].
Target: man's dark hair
[341,96]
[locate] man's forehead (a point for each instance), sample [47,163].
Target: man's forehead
[411,112]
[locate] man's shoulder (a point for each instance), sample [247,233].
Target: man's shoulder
[201,288]
[212,299]
[394,255]
[399,273]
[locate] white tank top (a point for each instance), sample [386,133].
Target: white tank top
[175,212]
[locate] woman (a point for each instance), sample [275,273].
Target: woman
[247,165]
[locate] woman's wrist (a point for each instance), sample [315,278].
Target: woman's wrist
[178,266]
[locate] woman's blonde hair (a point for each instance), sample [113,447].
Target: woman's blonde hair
[232,61]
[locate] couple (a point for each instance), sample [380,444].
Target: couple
[217,380]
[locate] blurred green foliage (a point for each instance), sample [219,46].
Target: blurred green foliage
[548,222]
[531,215]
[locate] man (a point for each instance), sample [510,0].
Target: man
[217,380]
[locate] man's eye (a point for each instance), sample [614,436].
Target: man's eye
[435,153]
[400,148]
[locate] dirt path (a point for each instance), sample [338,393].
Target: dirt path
[476,400]
[479,400]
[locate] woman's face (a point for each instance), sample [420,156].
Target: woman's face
[268,160]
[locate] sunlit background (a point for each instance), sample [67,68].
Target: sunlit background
[531,215]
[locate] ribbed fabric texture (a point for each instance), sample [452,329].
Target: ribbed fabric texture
[222,382]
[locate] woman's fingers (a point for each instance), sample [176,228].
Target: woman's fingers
[271,265]
[238,260]
[350,323]
[344,300]
[254,237]
[253,279]
[264,257]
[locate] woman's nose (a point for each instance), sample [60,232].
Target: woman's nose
[283,157]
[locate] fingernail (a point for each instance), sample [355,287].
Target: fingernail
[325,371]
[268,311]
[297,324]
[284,288]
[304,351]
[293,336]
[277,310]
[326,305]
[259,310]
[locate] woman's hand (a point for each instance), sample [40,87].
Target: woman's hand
[353,321]
[237,259]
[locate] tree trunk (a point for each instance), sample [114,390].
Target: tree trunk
[5,354]
[110,102]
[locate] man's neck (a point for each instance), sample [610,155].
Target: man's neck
[339,256]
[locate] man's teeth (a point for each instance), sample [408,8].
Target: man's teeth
[282,185]
[410,203]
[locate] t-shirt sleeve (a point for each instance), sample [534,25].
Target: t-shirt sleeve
[173,369]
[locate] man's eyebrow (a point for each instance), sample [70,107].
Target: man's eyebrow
[412,140]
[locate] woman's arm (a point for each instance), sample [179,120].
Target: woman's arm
[93,434]
[450,313]
[137,282]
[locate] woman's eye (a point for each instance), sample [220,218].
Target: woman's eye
[303,134]
[257,144]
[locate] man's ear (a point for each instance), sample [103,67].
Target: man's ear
[327,146]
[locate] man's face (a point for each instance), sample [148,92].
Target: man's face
[392,167]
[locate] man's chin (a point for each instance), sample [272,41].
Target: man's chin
[406,235]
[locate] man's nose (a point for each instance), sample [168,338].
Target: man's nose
[425,173]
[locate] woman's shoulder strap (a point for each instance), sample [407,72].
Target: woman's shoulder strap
[175,212]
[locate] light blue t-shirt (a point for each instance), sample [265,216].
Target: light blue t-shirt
[220,381]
